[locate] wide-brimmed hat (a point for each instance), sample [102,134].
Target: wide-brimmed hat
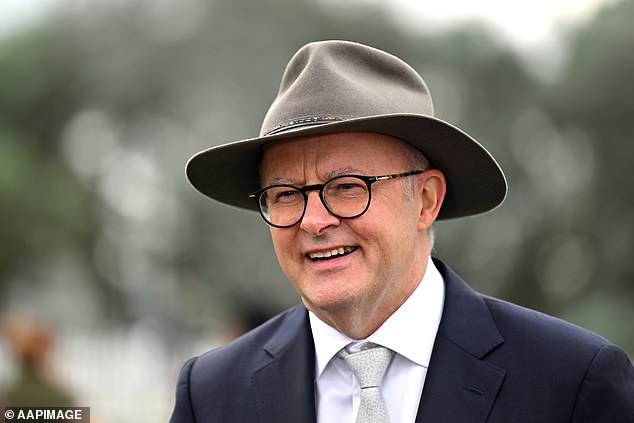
[340,86]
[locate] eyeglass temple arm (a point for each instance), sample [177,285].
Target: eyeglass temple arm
[370,179]
[396,175]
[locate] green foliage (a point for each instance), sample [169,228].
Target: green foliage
[100,110]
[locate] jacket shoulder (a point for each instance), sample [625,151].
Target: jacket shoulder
[579,373]
[253,349]
[525,325]
[218,385]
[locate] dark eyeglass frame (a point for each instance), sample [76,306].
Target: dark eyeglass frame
[369,180]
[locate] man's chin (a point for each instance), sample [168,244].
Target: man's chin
[330,307]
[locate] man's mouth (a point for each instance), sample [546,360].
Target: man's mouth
[331,254]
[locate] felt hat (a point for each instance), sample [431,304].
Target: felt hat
[340,86]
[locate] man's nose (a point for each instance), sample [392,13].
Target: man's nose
[316,217]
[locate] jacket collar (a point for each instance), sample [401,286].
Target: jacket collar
[284,384]
[461,387]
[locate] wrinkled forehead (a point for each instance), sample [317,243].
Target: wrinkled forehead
[355,150]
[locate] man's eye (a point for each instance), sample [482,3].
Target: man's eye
[348,186]
[347,189]
[287,196]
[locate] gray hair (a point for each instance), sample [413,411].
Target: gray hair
[416,160]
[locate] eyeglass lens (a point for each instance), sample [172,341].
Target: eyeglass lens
[345,197]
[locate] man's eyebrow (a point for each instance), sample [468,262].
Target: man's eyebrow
[282,181]
[341,172]
[332,174]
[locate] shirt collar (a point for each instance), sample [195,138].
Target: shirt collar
[410,330]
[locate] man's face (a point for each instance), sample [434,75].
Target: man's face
[383,260]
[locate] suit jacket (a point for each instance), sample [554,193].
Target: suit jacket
[492,362]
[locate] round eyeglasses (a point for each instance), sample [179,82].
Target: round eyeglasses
[345,197]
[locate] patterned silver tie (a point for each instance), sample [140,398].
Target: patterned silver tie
[369,366]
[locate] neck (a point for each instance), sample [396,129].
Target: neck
[358,321]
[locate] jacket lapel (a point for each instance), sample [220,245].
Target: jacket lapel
[284,385]
[460,386]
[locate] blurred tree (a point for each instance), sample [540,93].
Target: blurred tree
[593,101]
[100,109]
[43,206]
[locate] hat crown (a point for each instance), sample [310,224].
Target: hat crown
[329,81]
[343,87]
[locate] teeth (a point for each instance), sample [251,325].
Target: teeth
[333,252]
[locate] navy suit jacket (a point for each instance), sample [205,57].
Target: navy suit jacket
[492,362]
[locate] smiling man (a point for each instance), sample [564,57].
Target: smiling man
[350,171]
[352,273]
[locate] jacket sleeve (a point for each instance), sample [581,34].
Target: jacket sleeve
[183,412]
[606,394]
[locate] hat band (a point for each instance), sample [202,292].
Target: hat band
[300,123]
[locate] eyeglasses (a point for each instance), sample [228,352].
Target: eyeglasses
[345,197]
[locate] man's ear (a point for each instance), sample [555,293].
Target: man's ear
[432,190]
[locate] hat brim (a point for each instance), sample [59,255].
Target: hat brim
[475,182]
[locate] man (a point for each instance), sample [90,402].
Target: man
[350,171]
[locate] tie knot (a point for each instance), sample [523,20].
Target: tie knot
[368,365]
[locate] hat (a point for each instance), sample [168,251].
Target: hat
[340,86]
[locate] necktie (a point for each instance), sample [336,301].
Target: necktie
[369,366]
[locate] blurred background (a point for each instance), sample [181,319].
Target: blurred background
[113,270]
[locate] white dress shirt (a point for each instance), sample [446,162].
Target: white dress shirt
[409,332]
